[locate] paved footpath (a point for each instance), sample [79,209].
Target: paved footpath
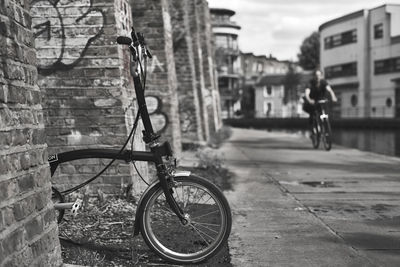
[296,206]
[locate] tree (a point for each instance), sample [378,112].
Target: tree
[309,52]
[291,82]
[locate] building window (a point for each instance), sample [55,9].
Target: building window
[221,41]
[267,108]
[340,39]
[226,41]
[353,100]
[378,31]
[259,67]
[387,65]
[343,70]
[389,102]
[267,90]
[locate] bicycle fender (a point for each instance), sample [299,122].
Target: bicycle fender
[140,208]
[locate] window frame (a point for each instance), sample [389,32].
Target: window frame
[378,31]
[340,39]
[342,70]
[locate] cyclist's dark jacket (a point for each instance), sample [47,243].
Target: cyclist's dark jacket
[318,92]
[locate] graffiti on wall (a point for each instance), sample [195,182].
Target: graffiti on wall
[158,118]
[63,31]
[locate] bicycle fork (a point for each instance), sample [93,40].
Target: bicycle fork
[167,184]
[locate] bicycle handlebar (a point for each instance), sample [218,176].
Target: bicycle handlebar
[134,42]
[123,40]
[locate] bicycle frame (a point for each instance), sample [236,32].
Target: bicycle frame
[320,109]
[321,121]
[155,155]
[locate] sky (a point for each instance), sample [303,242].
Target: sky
[278,27]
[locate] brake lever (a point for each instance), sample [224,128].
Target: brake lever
[143,45]
[148,53]
[134,38]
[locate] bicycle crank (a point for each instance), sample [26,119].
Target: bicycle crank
[74,206]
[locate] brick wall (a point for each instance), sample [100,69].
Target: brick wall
[189,105]
[28,230]
[196,29]
[211,101]
[152,18]
[87,84]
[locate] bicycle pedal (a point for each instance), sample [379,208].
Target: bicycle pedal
[76,206]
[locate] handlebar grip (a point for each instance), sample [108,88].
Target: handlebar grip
[124,40]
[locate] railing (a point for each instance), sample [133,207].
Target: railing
[357,112]
[350,112]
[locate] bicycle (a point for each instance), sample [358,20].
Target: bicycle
[320,126]
[182,203]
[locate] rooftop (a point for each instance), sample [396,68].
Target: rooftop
[351,16]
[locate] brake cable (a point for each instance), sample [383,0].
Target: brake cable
[133,131]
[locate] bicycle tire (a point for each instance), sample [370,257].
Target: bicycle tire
[327,135]
[315,135]
[199,240]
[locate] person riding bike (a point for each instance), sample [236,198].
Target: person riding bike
[316,91]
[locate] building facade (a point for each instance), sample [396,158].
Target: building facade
[279,95]
[360,55]
[269,93]
[227,59]
[252,68]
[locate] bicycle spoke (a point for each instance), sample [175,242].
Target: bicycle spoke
[177,195]
[208,200]
[195,194]
[209,229]
[167,210]
[200,216]
[210,224]
[185,202]
[201,197]
[201,232]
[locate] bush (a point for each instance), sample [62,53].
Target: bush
[220,136]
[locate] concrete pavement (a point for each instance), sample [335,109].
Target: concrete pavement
[296,206]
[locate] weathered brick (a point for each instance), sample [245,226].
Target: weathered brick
[152,17]
[25,161]
[23,208]
[23,258]
[34,227]
[20,118]
[49,217]
[86,100]
[2,252]
[189,105]
[41,200]
[26,183]
[13,242]
[8,216]
[8,189]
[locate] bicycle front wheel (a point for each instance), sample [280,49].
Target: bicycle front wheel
[209,221]
[315,134]
[327,135]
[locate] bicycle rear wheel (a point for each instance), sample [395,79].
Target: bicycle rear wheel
[327,135]
[207,211]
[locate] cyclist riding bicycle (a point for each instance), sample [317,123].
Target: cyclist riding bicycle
[316,91]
